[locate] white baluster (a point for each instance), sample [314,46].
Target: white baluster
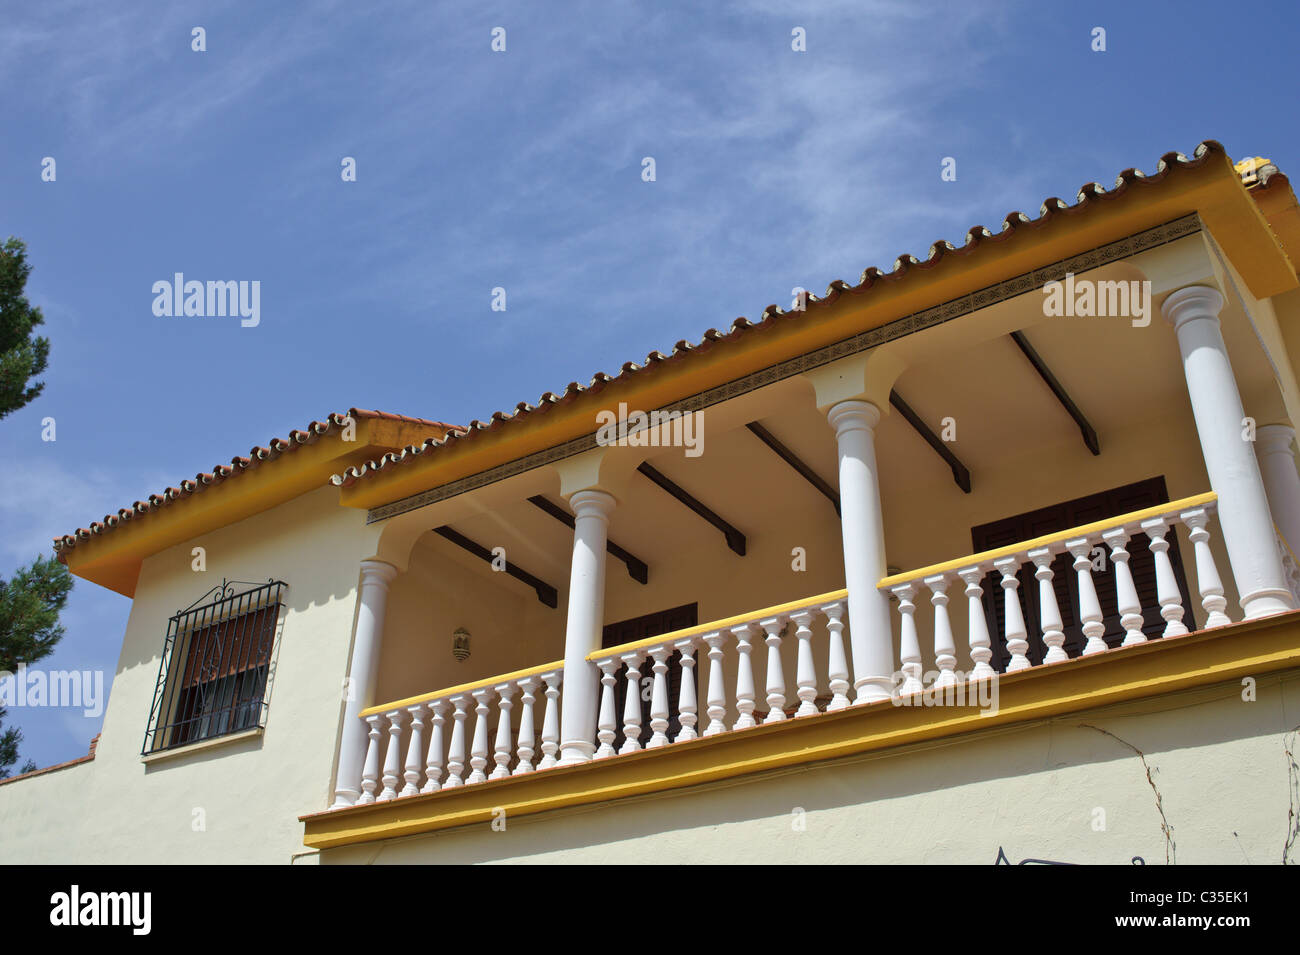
[1049,612]
[503,742]
[744,678]
[392,756]
[456,754]
[525,749]
[433,765]
[607,725]
[1089,606]
[1126,596]
[551,720]
[414,752]
[478,751]
[1014,618]
[838,669]
[806,669]
[981,648]
[717,694]
[370,771]
[659,698]
[945,649]
[686,706]
[1207,574]
[909,644]
[775,674]
[1171,601]
[632,704]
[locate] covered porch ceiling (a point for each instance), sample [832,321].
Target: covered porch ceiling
[1007,419]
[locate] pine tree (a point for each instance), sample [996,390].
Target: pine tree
[22,357]
[30,603]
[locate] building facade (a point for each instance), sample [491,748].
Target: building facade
[984,558]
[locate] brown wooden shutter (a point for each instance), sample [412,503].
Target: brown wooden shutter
[229,647]
[1059,517]
[641,628]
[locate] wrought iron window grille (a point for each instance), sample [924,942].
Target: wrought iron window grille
[214,671]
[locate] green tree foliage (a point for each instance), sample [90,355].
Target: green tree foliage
[22,357]
[30,603]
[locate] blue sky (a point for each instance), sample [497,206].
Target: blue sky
[522,170]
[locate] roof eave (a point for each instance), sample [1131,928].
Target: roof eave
[1207,185]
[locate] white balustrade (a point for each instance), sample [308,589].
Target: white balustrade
[730,653]
[436,759]
[408,744]
[1088,549]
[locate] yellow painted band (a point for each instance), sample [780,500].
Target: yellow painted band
[462,688]
[1278,532]
[716,625]
[1117,676]
[961,563]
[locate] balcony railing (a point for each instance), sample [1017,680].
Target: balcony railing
[1116,536]
[420,758]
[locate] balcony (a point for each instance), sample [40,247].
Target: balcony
[1102,590]
[497,733]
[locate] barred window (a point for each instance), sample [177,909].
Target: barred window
[216,660]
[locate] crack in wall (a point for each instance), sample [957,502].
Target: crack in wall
[1293,795]
[1171,848]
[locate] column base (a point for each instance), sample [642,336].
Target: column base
[1267,603]
[345,798]
[576,752]
[871,691]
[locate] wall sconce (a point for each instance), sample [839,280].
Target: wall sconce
[460,644]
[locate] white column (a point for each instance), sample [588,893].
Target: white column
[1244,514]
[863,528]
[1281,481]
[373,598]
[578,709]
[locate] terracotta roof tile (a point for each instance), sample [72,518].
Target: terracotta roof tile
[274,449]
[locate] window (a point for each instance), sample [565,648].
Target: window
[215,663]
[1059,517]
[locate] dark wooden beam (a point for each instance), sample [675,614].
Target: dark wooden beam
[1058,389]
[735,539]
[636,567]
[792,459]
[545,592]
[959,472]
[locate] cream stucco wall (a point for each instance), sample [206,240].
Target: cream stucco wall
[246,793]
[1058,790]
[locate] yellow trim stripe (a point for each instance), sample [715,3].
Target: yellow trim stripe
[462,688]
[1278,532]
[1220,656]
[716,625]
[961,563]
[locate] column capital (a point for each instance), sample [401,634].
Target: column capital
[1192,302]
[853,415]
[592,503]
[377,571]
